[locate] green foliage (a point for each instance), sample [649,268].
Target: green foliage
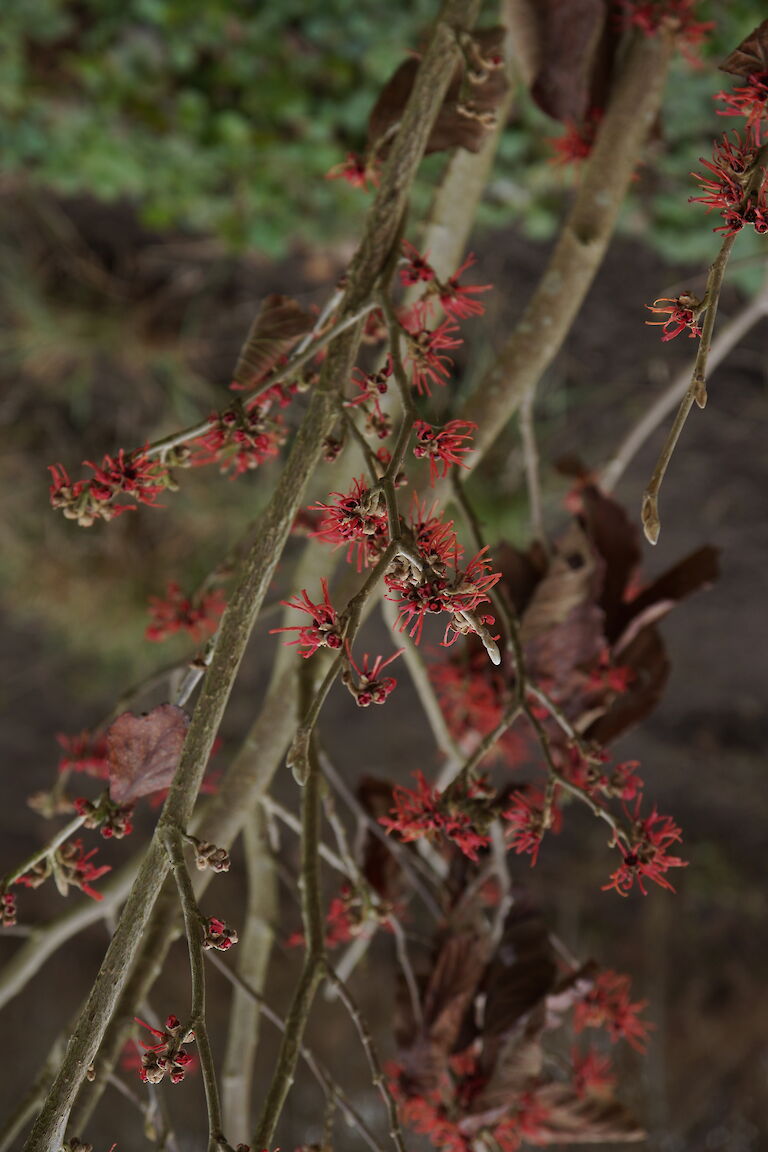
[213,115]
[224,115]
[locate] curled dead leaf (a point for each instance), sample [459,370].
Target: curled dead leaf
[277,326]
[143,752]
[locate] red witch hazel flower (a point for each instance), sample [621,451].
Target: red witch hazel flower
[679,15]
[83,753]
[134,474]
[577,141]
[73,866]
[418,596]
[198,616]
[681,312]
[592,1073]
[372,385]
[114,821]
[240,439]
[457,299]
[417,269]
[343,921]
[325,631]
[218,935]
[356,172]
[442,446]
[357,519]
[647,858]
[425,811]
[753,209]
[750,101]
[369,687]
[525,824]
[732,162]
[607,1005]
[168,1055]
[426,355]
[8,910]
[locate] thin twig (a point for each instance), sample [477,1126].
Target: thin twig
[531,458]
[727,339]
[197,1021]
[407,861]
[430,704]
[318,1070]
[41,853]
[166,443]
[377,1076]
[697,393]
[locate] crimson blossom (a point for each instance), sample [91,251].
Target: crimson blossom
[680,312]
[646,857]
[325,629]
[443,447]
[425,811]
[197,616]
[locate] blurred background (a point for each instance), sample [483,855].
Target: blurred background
[162,169]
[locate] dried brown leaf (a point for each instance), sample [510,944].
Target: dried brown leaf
[699,570]
[522,971]
[575,1119]
[277,326]
[452,984]
[448,992]
[454,127]
[570,34]
[751,55]
[562,627]
[568,583]
[646,658]
[378,863]
[617,540]
[144,751]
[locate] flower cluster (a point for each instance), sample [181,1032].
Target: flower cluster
[457,300]
[607,1005]
[527,821]
[366,684]
[592,1073]
[85,752]
[241,438]
[71,866]
[217,935]
[112,820]
[443,447]
[426,353]
[419,593]
[74,866]
[207,855]
[577,141]
[473,695]
[749,100]
[734,185]
[425,811]
[325,631]
[357,519]
[678,15]
[646,856]
[371,387]
[168,1055]
[133,474]
[8,910]
[343,920]
[198,616]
